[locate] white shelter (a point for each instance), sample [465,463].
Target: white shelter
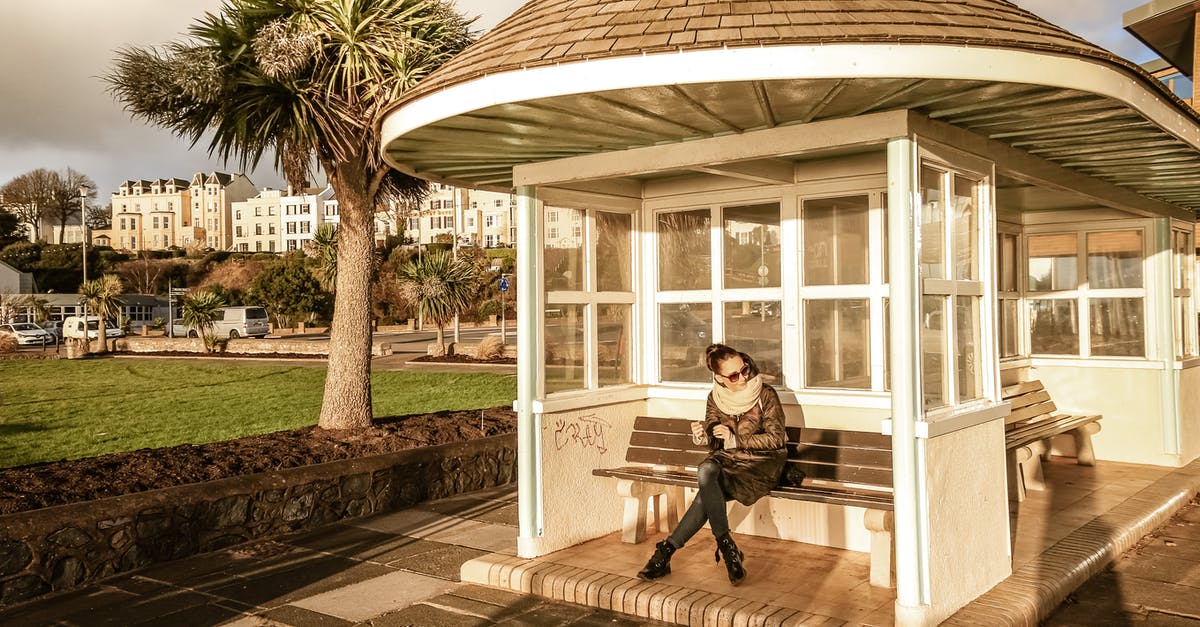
[894,206]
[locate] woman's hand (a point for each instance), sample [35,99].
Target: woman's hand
[722,431]
[698,431]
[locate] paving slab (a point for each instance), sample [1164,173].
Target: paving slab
[375,596]
[427,615]
[294,616]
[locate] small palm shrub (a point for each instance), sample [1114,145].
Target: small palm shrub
[8,343]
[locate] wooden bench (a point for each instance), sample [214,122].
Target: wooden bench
[1028,428]
[848,468]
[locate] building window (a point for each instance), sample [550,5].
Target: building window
[291,244]
[589,306]
[1183,270]
[166,222]
[489,221]
[133,242]
[243,247]
[257,229]
[122,224]
[237,231]
[952,289]
[305,227]
[258,212]
[257,246]
[132,223]
[1087,281]
[499,202]
[271,246]
[291,228]
[305,209]
[271,229]
[237,215]
[1008,315]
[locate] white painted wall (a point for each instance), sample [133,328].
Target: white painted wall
[968,516]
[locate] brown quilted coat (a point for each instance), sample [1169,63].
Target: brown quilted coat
[752,469]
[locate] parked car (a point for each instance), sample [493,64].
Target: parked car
[28,334]
[233,322]
[73,328]
[54,327]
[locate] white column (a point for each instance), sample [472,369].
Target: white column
[529,357]
[1160,304]
[911,510]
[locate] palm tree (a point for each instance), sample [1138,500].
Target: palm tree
[441,286]
[324,248]
[306,79]
[200,311]
[103,301]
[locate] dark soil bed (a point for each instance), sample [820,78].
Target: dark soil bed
[56,483]
[464,359]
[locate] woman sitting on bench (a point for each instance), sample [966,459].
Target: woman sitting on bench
[744,429]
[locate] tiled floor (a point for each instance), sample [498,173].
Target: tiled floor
[826,584]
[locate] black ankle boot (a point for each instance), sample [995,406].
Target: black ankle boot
[660,563]
[733,558]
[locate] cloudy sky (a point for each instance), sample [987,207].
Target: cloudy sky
[55,112]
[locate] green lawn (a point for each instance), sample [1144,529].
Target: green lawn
[51,410]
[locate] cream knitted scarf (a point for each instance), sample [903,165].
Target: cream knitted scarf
[737,403]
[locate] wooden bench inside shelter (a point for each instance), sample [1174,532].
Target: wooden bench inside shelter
[1029,427]
[846,468]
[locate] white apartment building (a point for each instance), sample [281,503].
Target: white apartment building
[153,215]
[475,217]
[256,222]
[213,196]
[159,214]
[302,214]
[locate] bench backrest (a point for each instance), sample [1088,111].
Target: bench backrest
[1029,400]
[824,456]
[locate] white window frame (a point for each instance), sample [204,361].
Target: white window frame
[591,299]
[1083,293]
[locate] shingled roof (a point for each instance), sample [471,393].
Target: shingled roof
[561,78]
[549,32]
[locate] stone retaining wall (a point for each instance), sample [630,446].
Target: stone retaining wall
[63,547]
[240,346]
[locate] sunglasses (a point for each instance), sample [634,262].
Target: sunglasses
[734,377]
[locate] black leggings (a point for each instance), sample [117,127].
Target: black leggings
[708,506]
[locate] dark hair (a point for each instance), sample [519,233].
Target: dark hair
[717,353]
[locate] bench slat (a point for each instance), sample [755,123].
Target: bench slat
[1032,411]
[843,455]
[1017,389]
[1061,423]
[833,437]
[662,425]
[847,474]
[664,457]
[665,440]
[1025,400]
[838,495]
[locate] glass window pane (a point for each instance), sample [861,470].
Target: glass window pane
[969,375]
[563,256]
[835,241]
[1052,262]
[1006,268]
[838,351]
[1116,327]
[1114,259]
[887,344]
[684,250]
[933,265]
[613,343]
[752,246]
[934,350]
[612,241]
[684,331]
[756,328]
[564,348]
[1180,308]
[1054,326]
[1009,323]
[966,229]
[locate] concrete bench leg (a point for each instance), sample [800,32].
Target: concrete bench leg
[668,508]
[1031,465]
[1016,479]
[881,524]
[637,499]
[1085,455]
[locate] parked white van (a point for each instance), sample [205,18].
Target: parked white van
[73,327]
[233,322]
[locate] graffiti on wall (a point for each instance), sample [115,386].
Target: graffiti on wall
[586,431]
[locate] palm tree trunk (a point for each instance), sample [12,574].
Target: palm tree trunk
[347,401]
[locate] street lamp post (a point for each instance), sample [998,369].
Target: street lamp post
[83,193]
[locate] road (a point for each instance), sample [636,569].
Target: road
[416,341]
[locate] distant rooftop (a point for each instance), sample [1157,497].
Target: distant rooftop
[1168,27]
